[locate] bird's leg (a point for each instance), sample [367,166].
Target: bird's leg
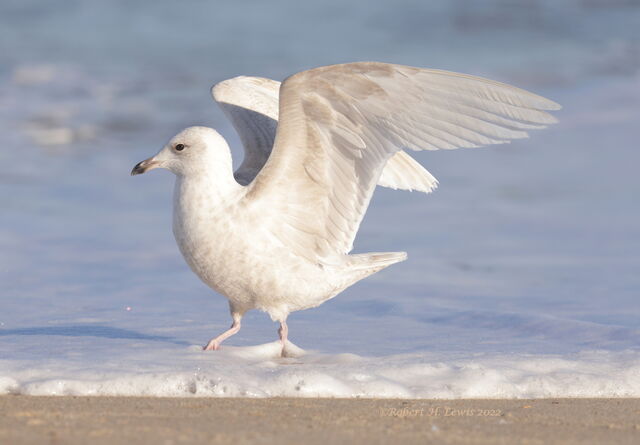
[283,332]
[214,343]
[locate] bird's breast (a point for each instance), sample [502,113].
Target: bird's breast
[205,239]
[231,250]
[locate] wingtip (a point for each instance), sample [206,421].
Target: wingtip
[552,105]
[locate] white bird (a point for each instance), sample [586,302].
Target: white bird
[276,236]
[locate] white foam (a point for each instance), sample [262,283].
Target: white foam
[257,371]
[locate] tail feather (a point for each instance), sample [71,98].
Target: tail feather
[364,264]
[376,261]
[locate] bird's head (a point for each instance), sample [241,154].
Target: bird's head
[192,151]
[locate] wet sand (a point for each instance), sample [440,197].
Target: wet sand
[142,420]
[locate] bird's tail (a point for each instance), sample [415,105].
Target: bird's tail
[376,261]
[356,267]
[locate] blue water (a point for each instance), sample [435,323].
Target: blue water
[525,250]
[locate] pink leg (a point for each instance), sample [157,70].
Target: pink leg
[283,332]
[214,343]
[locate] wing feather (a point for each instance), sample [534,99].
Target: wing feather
[251,103]
[340,125]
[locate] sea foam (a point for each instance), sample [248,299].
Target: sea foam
[258,371]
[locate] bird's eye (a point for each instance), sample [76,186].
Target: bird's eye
[179,147]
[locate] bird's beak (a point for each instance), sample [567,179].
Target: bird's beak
[145,166]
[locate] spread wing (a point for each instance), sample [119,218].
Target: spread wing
[251,103]
[340,124]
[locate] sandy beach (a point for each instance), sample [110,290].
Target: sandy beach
[110,420]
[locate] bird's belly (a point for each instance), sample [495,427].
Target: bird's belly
[250,271]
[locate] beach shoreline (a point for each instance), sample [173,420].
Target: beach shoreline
[160,420]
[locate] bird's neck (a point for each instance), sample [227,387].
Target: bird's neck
[206,189]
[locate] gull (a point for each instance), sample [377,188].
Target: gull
[276,234]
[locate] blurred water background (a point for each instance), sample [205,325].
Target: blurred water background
[529,251]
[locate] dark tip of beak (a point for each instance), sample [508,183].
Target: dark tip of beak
[139,169]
